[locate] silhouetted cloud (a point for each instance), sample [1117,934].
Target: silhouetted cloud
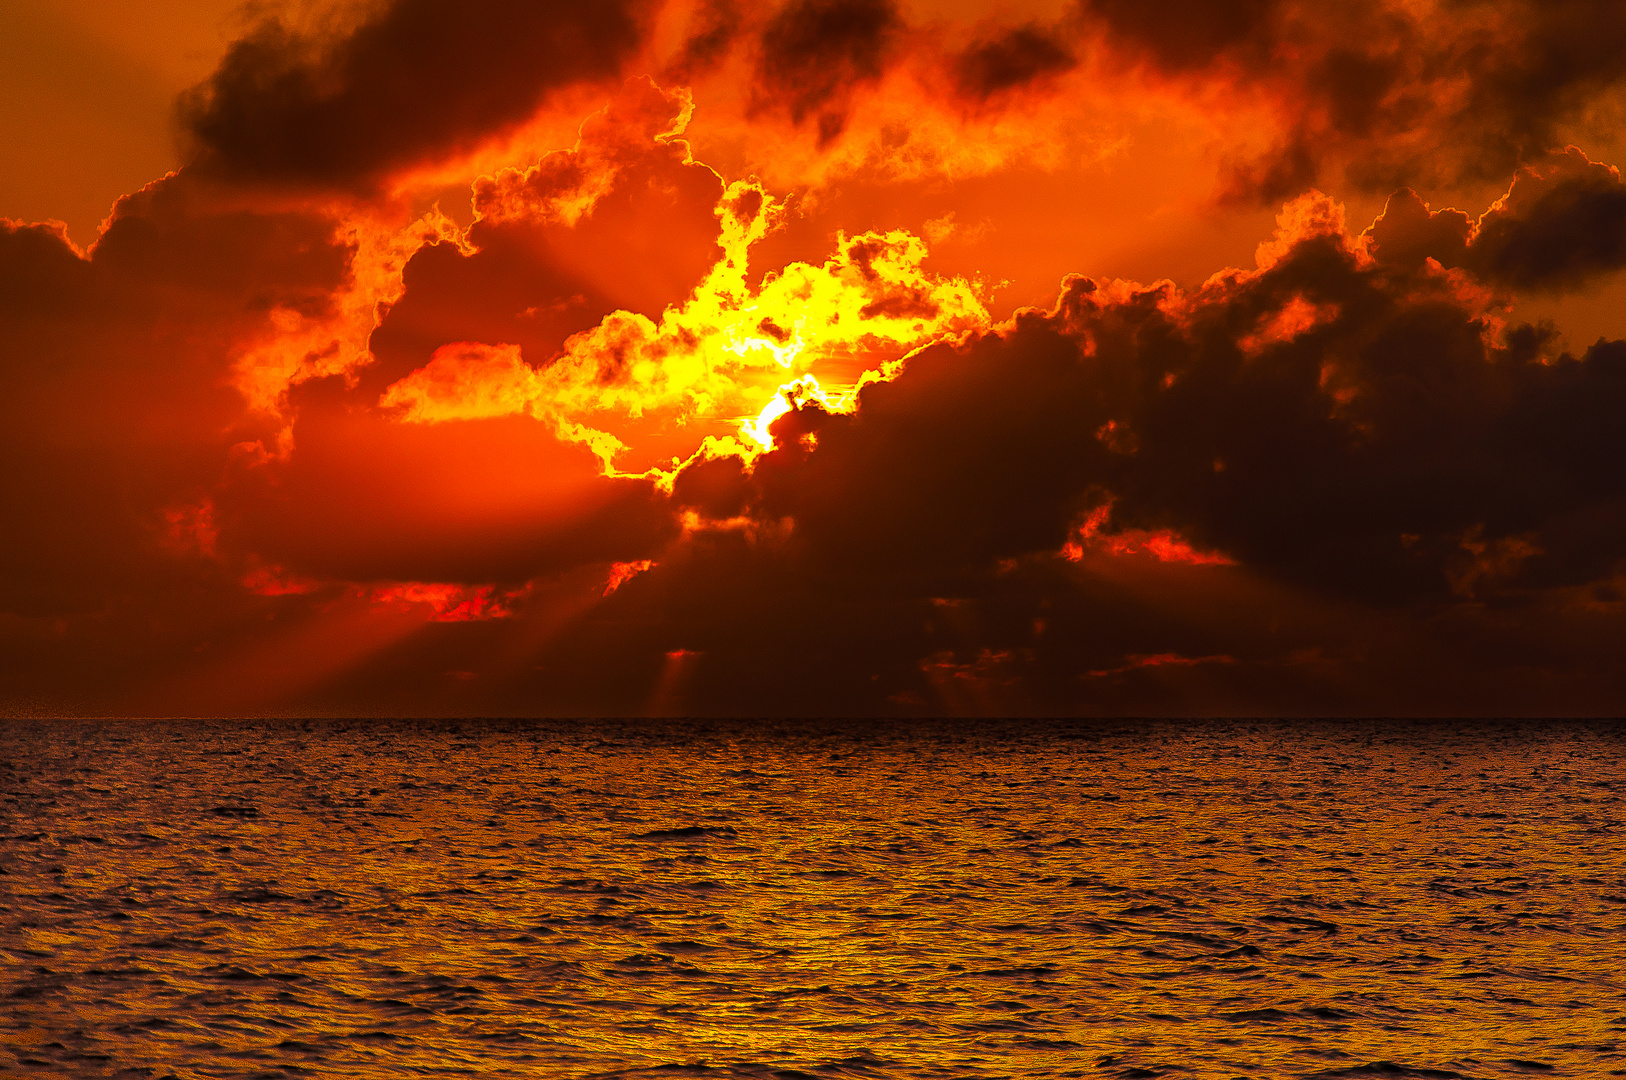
[115,368]
[1389,93]
[1421,450]
[416,81]
[1319,426]
[815,53]
[1186,35]
[1010,61]
[1562,221]
[715,29]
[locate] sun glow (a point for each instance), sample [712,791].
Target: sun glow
[721,354]
[790,396]
[641,391]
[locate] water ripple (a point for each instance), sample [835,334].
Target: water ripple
[381,899]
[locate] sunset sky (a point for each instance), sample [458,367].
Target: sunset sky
[824,357]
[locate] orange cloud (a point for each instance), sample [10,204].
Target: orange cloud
[623,572]
[385,397]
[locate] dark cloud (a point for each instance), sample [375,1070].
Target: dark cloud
[715,29]
[1183,35]
[1409,477]
[1562,222]
[40,272]
[1319,422]
[961,489]
[1333,483]
[115,396]
[1344,447]
[152,527]
[1472,95]
[418,80]
[815,53]
[1559,225]
[1534,66]
[1384,92]
[1017,58]
[1379,91]
[1407,233]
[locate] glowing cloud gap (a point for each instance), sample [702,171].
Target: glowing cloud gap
[721,354]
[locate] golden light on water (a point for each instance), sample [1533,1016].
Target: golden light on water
[372,898]
[918,365]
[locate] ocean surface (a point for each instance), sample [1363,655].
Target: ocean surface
[753,899]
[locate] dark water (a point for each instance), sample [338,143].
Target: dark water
[366,899]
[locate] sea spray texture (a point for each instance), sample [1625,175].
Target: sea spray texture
[374,899]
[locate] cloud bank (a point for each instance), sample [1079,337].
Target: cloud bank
[628,434]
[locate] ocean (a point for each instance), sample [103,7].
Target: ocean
[954,899]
